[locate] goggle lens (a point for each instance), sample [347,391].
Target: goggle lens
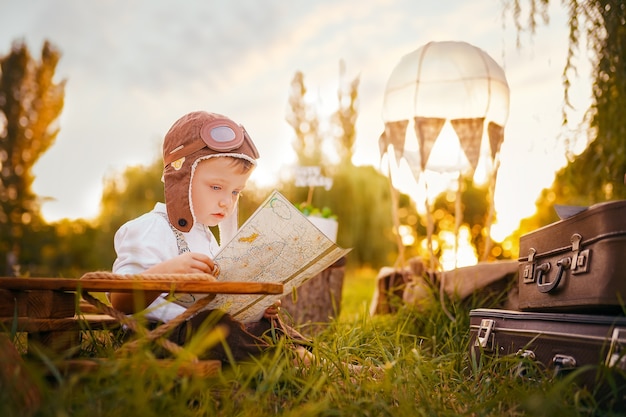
[223,134]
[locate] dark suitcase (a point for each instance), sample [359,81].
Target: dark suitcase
[577,264]
[560,342]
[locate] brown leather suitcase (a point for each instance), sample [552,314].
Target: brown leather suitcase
[577,264]
[558,342]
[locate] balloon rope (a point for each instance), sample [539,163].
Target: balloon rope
[458,218]
[400,262]
[492,203]
[434,263]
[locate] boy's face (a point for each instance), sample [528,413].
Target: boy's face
[215,188]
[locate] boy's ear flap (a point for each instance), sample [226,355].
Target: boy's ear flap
[177,191]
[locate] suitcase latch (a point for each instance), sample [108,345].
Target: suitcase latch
[563,364]
[522,370]
[580,259]
[616,357]
[563,361]
[484,333]
[580,263]
[528,274]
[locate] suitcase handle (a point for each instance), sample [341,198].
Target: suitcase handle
[542,271]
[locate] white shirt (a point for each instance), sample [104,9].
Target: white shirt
[148,240]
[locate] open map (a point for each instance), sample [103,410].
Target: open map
[276,244]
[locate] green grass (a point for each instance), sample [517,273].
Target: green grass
[424,369]
[358,288]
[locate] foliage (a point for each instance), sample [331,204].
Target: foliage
[360,199]
[474,212]
[360,196]
[126,195]
[344,119]
[70,248]
[310,210]
[30,103]
[303,118]
[309,129]
[424,369]
[597,174]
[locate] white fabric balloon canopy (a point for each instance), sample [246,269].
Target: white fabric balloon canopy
[445,81]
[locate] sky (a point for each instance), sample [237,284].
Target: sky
[135,66]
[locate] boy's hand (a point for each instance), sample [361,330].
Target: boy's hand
[187,263]
[272,311]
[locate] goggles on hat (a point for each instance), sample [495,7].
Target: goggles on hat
[220,136]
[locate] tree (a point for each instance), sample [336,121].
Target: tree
[475,208]
[362,200]
[597,174]
[360,196]
[345,117]
[304,120]
[125,196]
[30,103]
[70,249]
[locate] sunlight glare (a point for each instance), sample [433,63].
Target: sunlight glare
[465,255]
[406,234]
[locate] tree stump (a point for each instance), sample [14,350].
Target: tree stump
[317,301]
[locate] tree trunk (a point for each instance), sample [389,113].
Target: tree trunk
[317,301]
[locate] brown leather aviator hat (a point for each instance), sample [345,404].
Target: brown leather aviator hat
[192,138]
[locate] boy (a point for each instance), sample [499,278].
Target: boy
[208,159]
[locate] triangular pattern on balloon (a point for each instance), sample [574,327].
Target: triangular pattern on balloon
[394,134]
[427,130]
[470,134]
[496,137]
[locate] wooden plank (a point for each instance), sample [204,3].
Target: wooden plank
[54,341]
[130,285]
[51,304]
[59,334]
[85,307]
[12,304]
[37,303]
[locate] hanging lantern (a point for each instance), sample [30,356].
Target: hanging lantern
[445,81]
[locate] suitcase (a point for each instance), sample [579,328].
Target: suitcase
[559,342]
[577,264]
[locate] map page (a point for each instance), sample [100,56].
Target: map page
[276,244]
